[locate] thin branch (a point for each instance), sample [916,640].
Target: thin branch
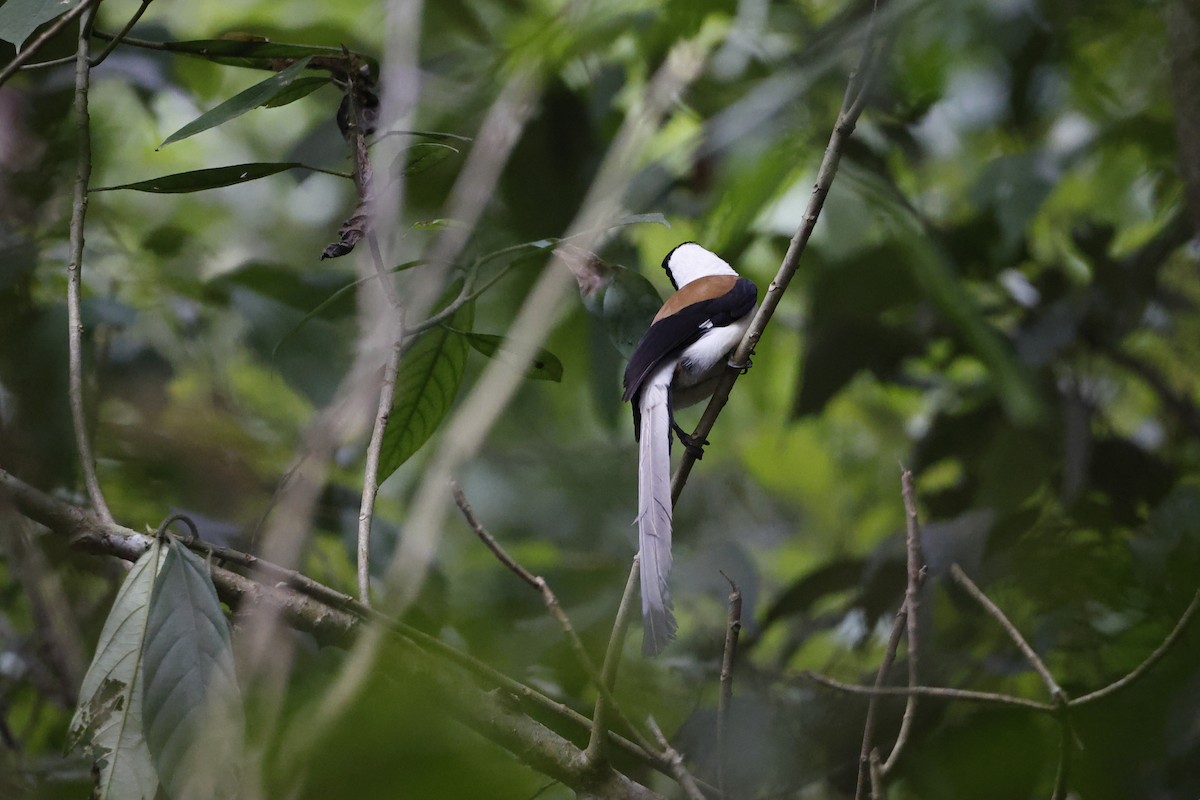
[680,772]
[912,601]
[944,692]
[1034,660]
[539,584]
[725,699]
[1063,772]
[121,34]
[489,541]
[370,489]
[82,11]
[889,657]
[875,770]
[83,172]
[1151,659]
[857,89]
[612,661]
[363,178]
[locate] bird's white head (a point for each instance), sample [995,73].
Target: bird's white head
[690,261]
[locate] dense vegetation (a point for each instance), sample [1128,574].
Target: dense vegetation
[1001,294]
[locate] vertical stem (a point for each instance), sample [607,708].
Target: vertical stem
[612,660]
[725,699]
[912,601]
[83,173]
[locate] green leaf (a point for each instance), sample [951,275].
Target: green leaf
[426,384]
[265,55]
[545,365]
[107,726]
[199,180]
[625,305]
[20,18]
[301,87]
[259,94]
[192,707]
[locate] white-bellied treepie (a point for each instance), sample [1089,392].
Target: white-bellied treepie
[677,363]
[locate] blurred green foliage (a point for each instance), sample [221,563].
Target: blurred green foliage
[1000,295]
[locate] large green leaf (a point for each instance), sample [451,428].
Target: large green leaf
[625,306]
[199,180]
[192,707]
[20,18]
[107,726]
[259,94]
[426,384]
[545,365]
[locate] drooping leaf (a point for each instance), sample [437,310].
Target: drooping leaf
[192,707]
[199,180]
[545,365]
[259,94]
[107,726]
[426,384]
[20,18]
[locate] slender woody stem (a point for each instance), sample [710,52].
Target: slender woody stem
[83,172]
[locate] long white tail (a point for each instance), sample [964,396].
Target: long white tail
[654,518]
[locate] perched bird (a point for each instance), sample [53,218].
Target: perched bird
[677,363]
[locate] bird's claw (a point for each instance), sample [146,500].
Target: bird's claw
[743,367]
[694,445]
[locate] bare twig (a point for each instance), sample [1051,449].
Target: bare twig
[82,11]
[725,699]
[539,584]
[875,768]
[83,172]
[1034,660]
[1151,659]
[912,595]
[944,692]
[489,541]
[889,657]
[857,89]
[121,34]
[680,772]
[370,489]
[612,661]
[1063,772]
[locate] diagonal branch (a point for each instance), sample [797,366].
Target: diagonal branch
[912,600]
[1032,657]
[725,699]
[539,584]
[1151,659]
[857,89]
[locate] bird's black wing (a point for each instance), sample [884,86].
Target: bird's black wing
[669,335]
